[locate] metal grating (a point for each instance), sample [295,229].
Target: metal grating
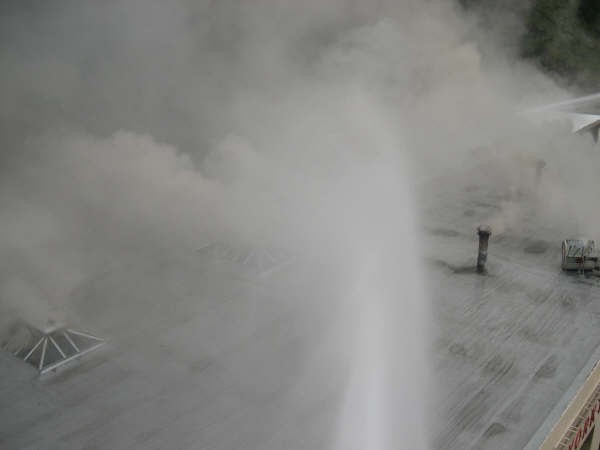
[262,261]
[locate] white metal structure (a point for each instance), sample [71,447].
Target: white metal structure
[581,112]
[584,122]
[56,346]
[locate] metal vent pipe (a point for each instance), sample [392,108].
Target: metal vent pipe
[484,232]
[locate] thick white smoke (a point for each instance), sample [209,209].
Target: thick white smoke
[135,130]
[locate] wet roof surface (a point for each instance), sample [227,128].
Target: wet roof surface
[510,343]
[210,355]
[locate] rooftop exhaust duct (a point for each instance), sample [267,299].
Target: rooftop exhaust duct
[484,232]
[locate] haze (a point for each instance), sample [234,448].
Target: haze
[135,133]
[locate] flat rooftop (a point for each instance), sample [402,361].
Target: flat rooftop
[209,353]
